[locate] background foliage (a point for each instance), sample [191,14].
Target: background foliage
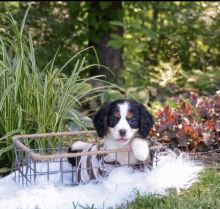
[155,50]
[168,45]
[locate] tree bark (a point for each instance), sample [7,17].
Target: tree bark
[100,32]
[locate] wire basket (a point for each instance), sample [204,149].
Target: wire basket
[36,164]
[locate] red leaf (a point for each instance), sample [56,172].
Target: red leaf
[186,108]
[190,131]
[210,125]
[168,115]
[158,114]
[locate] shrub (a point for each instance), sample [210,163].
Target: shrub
[192,124]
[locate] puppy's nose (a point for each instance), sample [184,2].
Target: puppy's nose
[122,132]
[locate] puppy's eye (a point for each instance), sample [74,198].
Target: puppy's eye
[133,122]
[113,121]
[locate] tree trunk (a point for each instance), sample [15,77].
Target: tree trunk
[100,32]
[152,57]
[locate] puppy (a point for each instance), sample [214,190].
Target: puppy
[121,124]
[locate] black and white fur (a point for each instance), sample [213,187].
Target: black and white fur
[121,124]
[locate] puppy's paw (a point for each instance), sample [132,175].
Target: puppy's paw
[78,145]
[140,149]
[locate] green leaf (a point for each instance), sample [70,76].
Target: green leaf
[116,42]
[117,23]
[149,33]
[110,95]
[105,4]
[140,94]
[77,121]
[6,149]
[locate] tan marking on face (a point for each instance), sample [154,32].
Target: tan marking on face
[117,114]
[129,115]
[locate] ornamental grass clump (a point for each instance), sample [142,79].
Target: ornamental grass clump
[34,100]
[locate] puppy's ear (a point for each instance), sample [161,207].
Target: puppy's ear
[100,120]
[146,122]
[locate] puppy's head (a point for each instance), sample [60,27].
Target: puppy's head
[122,120]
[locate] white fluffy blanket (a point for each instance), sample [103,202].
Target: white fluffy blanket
[119,187]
